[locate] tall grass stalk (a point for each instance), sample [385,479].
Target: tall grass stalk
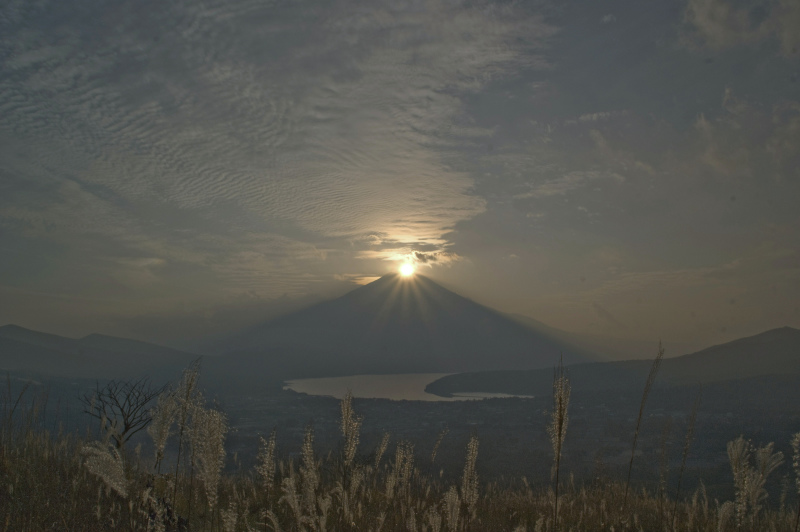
[163,416]
[469,480]
[739,457]
[687,442]
[438,443]
[209,428]
[750,479]
[557,429]
[308,473]
[381,449]
[651,378]
[9,412]
[105,462]
[266,467]
[663,469]
[350,425]
[766,462]
[186,399]
[796,466]
[452,507]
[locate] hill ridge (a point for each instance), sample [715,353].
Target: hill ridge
[742,358]
[92,356]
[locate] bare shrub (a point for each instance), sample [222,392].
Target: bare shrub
[122,407]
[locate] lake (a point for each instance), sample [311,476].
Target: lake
[401,387]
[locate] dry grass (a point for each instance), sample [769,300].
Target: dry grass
[64,483]
[558,427]
[651,379]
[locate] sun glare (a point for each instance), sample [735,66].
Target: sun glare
[407,270]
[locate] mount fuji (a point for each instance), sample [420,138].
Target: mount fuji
[392,325]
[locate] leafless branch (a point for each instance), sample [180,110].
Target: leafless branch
[122,405]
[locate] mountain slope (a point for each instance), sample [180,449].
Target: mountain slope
[94,356]
[126,345]
[774,352]
[393,325]
[18,356]
[40,339]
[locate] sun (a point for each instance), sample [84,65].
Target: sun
[407,269]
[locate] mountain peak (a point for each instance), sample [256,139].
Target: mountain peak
[395,325]
[12,327]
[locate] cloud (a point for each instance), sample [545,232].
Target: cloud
[249,138]
[567,183]
[720,24]
[356,278]
[409,254]
[439,257]
[163,157]
[136,272]
[747,140]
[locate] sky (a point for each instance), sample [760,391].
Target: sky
[174,170]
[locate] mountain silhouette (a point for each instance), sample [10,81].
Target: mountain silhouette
[94,356]
[392,325]
[772,353]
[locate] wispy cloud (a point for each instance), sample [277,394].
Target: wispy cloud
[567,183]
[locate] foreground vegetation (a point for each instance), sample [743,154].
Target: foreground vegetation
[63,482]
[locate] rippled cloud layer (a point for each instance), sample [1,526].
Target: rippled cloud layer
[164,160]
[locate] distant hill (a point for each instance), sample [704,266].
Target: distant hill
[125,345]
[94,356]
[774,352]
[40,339]
[18,356]
[392,325]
